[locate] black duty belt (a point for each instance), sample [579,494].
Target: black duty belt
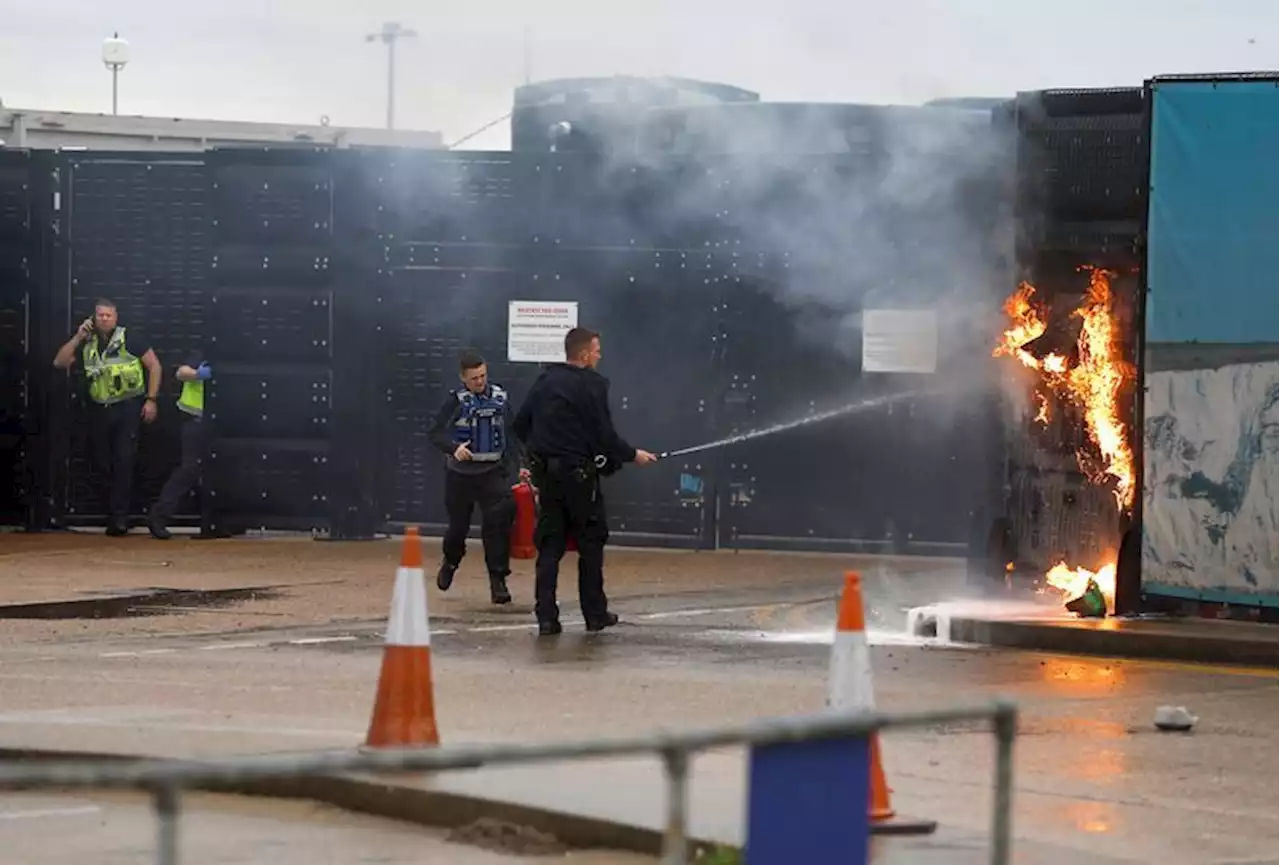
[565,465]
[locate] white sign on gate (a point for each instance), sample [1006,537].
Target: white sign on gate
[899,340]
[536,329]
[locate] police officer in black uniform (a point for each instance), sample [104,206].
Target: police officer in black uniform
[569,437]
[473,429]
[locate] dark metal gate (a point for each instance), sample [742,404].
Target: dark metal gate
[333,290]
[19,284]
[271,338]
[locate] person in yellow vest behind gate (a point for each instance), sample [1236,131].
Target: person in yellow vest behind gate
[123,377]
[195,444]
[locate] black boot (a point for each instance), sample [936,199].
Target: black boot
[498,591]
[608,620]
[444,577]
[158,529]
[549,628]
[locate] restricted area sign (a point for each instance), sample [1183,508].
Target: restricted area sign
[899,340]
[536,329]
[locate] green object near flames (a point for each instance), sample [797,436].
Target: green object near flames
[1091,605]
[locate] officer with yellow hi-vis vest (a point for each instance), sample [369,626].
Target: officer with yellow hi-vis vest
[123,377]
[195,444]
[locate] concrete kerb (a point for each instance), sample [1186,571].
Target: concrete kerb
[379,796]
[1095,641]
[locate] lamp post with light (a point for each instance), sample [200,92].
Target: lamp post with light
[115,55]
[391,33]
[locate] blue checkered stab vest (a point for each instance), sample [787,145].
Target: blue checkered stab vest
[481,423]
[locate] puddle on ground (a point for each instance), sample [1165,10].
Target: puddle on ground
[146,602]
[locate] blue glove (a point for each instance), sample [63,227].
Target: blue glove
[204,372]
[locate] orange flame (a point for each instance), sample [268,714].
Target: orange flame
[1094,384]
[1029,324]
[1042,414]
[1073,583]
[1097,382]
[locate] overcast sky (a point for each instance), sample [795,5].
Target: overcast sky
[294,60]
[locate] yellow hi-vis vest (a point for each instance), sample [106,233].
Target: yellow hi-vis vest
[191,400]
[114,374]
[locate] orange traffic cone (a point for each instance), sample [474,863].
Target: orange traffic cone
[849,686]
[404,712]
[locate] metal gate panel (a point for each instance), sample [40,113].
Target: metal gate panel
[272,338]
[1082,155]
[808,487]
[866,480]
[18,247]
[270,483]
[137,232]
[582,202]
[905,476]
[265,323]
[476,198]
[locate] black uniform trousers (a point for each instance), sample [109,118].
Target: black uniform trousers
[491,490]
[114,436]
[195,447]
[570,503]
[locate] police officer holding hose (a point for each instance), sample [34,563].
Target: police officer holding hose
[568,433]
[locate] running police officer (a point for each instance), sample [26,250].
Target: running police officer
[195,444]
[114,362]
[473,429]
[569,437]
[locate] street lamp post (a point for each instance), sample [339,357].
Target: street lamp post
[115,55]
[390,33]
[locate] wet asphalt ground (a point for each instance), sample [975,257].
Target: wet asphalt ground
[705,641]
[120,829]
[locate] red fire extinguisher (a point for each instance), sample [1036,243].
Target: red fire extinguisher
[522,529]
[526,516]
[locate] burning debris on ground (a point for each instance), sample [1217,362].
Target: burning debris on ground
[1081,376]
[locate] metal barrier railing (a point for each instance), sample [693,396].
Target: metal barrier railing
[165,779]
